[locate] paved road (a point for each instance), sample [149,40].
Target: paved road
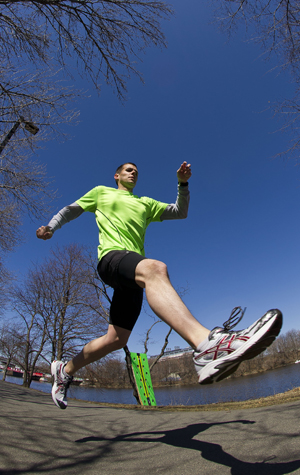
[90,439]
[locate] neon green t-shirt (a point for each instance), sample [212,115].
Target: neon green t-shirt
[122,218]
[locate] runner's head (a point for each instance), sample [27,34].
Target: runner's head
[126,176]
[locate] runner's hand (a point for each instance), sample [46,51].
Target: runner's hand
[44,232]
[184,173]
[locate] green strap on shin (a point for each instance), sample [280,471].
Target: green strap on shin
[142,378]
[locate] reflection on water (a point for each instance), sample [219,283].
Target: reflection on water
[240,389]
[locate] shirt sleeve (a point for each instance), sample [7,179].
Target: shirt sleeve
[178,210]
[65,215]
[89,201]
[156,208]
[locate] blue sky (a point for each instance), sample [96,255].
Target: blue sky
[205,100]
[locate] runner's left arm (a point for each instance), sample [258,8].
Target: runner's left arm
[179,210]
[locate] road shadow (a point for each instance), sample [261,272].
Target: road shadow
[75,457]
[184,438]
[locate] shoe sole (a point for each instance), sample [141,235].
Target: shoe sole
[59,404]
[223,367]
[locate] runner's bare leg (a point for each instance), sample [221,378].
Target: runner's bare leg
[166,303]
[115,339]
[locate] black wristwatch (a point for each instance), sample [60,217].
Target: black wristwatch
[183,184]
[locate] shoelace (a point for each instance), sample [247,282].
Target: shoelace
[64,386]
[235,318]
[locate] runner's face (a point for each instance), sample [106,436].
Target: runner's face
[127,177]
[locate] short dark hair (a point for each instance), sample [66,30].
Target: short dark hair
[120,168]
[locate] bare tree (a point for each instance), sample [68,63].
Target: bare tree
[56,309]
[289,112]
[102,36]
[34,103]
[42,44]
[34,328]
[292,340]
[155,360]
[6,279]
[24,187]
[275,26]
[67,304]
[10,343]
[27,97]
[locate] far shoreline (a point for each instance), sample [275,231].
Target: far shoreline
[293,395]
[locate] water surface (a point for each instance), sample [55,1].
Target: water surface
[239,389]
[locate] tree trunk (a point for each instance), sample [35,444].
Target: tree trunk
[130,374]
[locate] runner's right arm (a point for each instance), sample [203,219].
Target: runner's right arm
[65,215]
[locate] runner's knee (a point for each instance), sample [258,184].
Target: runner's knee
[121,341]
[117,340]
[152,269]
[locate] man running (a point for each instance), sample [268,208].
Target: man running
[122,219]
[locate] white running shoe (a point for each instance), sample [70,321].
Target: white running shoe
[60,383]
[225,350]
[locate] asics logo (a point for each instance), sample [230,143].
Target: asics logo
[224,345]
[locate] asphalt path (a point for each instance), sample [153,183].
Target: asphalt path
[90,439]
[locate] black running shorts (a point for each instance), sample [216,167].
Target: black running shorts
[117,269]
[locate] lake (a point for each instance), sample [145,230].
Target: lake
[239,389]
